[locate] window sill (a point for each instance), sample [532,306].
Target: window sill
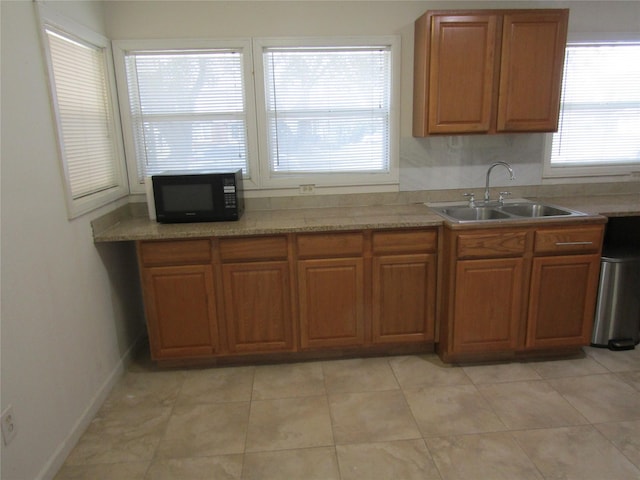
[310,189]
[632,176]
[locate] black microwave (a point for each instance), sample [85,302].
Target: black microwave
[198,196]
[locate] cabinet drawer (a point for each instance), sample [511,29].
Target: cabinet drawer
[488,245]
[175,252]
[253,248]
[568,240]
[330,244]
[405,241]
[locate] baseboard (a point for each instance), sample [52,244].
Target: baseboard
[56,460]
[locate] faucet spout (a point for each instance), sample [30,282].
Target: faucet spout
[505,165]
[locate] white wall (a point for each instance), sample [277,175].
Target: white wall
[70,311]
[425,164]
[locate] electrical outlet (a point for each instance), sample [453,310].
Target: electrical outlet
[9,428]
[307,189]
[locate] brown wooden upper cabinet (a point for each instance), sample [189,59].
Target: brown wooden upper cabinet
[488,71]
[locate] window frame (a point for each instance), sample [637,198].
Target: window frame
[120,49]
[335,182]
[63,25]
[596,172]
[260,183]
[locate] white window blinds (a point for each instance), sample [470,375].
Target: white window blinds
[600,111]
[187,110]
[328,109]
[84,116]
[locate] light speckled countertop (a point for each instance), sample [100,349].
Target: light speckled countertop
[124,226]
[276,221]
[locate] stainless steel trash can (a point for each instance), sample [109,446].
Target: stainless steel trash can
[617,319]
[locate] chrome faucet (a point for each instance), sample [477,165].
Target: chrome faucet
[486,188]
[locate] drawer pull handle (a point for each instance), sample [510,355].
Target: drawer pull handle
[564,244]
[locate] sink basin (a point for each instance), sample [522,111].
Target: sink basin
[534,210]
[472,213]
[506,212]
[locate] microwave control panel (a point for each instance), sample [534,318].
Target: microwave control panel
[229,189]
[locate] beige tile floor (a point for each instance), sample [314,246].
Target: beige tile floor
[401,418]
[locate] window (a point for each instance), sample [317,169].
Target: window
[87,125]
[187,109]
[599,130]
[327,109]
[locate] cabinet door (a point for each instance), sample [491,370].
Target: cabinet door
[404,298]
[532,62]
[461,73]
[331,296]
[181,311]
[258,306]
[562,300]
[487,305]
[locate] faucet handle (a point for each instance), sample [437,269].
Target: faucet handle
[472,198]
[502,195]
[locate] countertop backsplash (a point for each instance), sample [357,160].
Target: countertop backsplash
[138,207]
[453,162]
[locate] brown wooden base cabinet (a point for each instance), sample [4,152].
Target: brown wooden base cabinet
[562,300]
[331,295]
[220,297]
[257,304]
[488,308]
[404,271]
[331,289]
[514,291]
[256,286]
[179,299]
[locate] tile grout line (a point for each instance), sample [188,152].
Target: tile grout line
[333,433]
[246,433]
[422,438]
[154,457]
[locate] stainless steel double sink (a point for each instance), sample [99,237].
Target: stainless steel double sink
[505,212]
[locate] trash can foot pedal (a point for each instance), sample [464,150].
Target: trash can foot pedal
[622,344]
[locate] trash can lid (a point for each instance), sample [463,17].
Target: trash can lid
[621,254]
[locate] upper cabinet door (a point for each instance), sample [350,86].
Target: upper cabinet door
[532,62]
[488,71]
[461,73]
